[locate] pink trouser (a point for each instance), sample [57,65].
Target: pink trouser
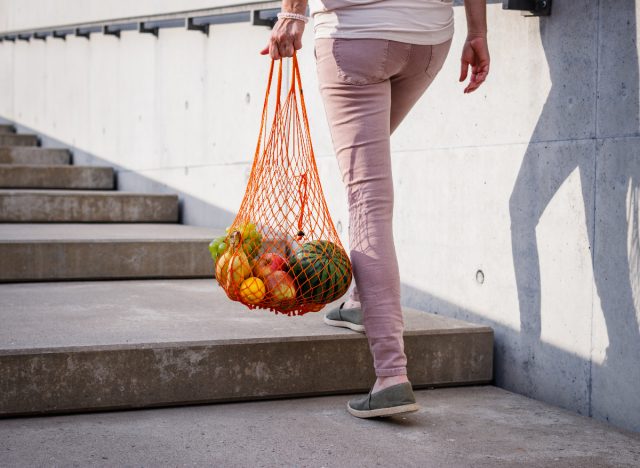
[368,86]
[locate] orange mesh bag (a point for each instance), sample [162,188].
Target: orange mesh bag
[282,251]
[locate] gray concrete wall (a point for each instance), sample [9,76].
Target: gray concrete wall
[23,14]
[534,180]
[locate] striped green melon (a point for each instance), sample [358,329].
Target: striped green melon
[322,271]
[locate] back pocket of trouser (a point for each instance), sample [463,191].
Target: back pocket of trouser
[361,61]
[439,54]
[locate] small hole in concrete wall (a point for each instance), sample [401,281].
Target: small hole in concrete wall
[480,276]
[247,98]
[186,105]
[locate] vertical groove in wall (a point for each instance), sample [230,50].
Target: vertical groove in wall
[595,201]
[13,83]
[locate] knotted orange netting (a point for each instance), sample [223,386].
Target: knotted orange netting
[282,251]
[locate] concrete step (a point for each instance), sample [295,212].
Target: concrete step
[480,427]
[76,206]
[7,129]
[56,177]
[34,155]
[51,252]
[71,347]
[18,140]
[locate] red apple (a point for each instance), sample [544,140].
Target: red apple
[267,264]
[280,287]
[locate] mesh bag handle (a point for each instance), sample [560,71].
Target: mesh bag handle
[282,250]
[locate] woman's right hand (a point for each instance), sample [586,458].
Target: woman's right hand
[475,54]
[286,37]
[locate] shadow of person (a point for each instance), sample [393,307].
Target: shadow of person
[592,131]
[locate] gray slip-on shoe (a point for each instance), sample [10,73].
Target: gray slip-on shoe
[396,399]
[347,318]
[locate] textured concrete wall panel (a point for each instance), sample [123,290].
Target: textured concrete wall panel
[616,308]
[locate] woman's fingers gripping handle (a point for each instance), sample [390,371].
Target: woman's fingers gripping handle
[286,37]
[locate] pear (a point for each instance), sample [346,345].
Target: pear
[232,268]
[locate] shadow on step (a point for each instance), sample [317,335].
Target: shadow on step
[193,210]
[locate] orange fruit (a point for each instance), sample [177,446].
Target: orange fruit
[252,290]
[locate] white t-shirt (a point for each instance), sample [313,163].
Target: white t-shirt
[414,21]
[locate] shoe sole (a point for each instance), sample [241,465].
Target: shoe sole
[381,412]
[344,324]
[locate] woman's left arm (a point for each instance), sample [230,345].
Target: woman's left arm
[475,52]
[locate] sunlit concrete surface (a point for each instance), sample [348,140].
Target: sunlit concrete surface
[456,427]
[533,180]
[79,346]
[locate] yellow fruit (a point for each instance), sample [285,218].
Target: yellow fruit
[231,270]
[252,290]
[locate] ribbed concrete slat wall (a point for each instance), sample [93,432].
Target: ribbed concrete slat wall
[24,14]
[534,180]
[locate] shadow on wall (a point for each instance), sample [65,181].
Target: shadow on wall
[505,336]
[599,139]
[610,179]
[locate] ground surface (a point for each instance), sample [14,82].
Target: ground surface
[94,313]
[457,427]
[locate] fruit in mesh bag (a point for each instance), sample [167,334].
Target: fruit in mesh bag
[232,267]
[281,289]
[322,271]
[268,263]
[217,247]
[251,238]
[252,290]
[251,242]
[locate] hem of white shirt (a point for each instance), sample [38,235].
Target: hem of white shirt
[426,38]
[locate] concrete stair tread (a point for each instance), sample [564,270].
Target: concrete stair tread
[50,205]
[93,193]
[163,313]
[104,251]
[101,232]
[479,426]
[34,155]
[86,346]
[40,176]
[49,166]
[18,139]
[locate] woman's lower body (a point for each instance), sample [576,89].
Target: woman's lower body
[368,86]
